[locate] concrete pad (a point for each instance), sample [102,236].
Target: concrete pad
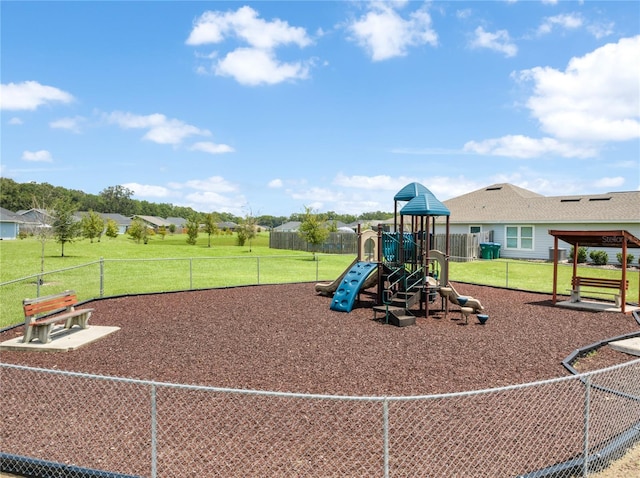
[596,306]
[62,340]
[628,346]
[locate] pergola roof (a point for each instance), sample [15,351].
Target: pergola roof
[597,238]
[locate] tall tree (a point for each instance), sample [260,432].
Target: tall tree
[210,227]
[138,230]
[313,229]
[65,225]
[118,199]
[112,229]
[246,230]
[92,226]
[193,227]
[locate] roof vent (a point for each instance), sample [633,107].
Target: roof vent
[571,200]
[494,188]
[600,199]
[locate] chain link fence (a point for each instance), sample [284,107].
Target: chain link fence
[114,277]
[72,424]
[57,423]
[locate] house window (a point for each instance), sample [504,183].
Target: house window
[475,229]
[519,237]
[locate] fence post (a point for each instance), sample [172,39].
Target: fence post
[317,266]
[102,277]
[585,444]
[258,267]
[191,273]
[507,274]
[385,436]
[154,433]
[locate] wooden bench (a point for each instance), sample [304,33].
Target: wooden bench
[578,282]
[40,314]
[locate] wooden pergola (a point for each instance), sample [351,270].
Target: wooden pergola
[612,239]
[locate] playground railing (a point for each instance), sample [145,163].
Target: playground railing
[111,426]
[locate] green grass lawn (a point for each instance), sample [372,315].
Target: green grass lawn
[120,266]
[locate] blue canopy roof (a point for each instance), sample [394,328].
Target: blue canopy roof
[425,204]
[410,191]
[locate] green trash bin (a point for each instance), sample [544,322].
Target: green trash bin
[486,250]
[495,248]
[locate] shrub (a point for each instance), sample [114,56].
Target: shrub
[599,258]
[582,254]
[630,258]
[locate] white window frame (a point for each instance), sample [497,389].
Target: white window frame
[519,237]
[474,225]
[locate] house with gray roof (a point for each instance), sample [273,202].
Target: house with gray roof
[520,220]
[291,226]
[153,222]
[123,222]
[9,224]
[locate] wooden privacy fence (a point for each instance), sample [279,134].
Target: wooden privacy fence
[336,243]
[464,247]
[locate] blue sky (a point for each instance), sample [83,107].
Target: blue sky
[266,108]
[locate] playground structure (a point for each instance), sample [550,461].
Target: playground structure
[402,265]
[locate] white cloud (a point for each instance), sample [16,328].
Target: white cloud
[37,156]
[211,148]
[524,147]
[596,98]
[256,64]
[214,201]
[213,27]
[373,183]
[384,34]
[160,129]
[613,183]
[275,183]
[499,41]
[29,95]
[146,190]
[213,183]
[71,124]
[567,21]
[251,66]
[15,121]
[601,29]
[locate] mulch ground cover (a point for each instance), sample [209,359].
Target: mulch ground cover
[285,338]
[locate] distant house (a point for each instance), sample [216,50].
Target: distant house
[154,222]
[9,224]
[34,219]
[123,222]
[520,220]
[291,226]
[180,223]
[227,226]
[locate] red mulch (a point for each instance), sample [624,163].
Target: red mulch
[286,338]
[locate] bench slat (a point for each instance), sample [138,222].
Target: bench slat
[599,282]
[43,307]
[60,318]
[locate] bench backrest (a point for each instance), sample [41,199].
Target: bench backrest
[599,282]
[49,303]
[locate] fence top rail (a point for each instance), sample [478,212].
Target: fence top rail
[40,274]
[312,396]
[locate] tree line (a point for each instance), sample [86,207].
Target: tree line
[118,199]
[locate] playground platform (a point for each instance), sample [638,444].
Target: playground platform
[62,340]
